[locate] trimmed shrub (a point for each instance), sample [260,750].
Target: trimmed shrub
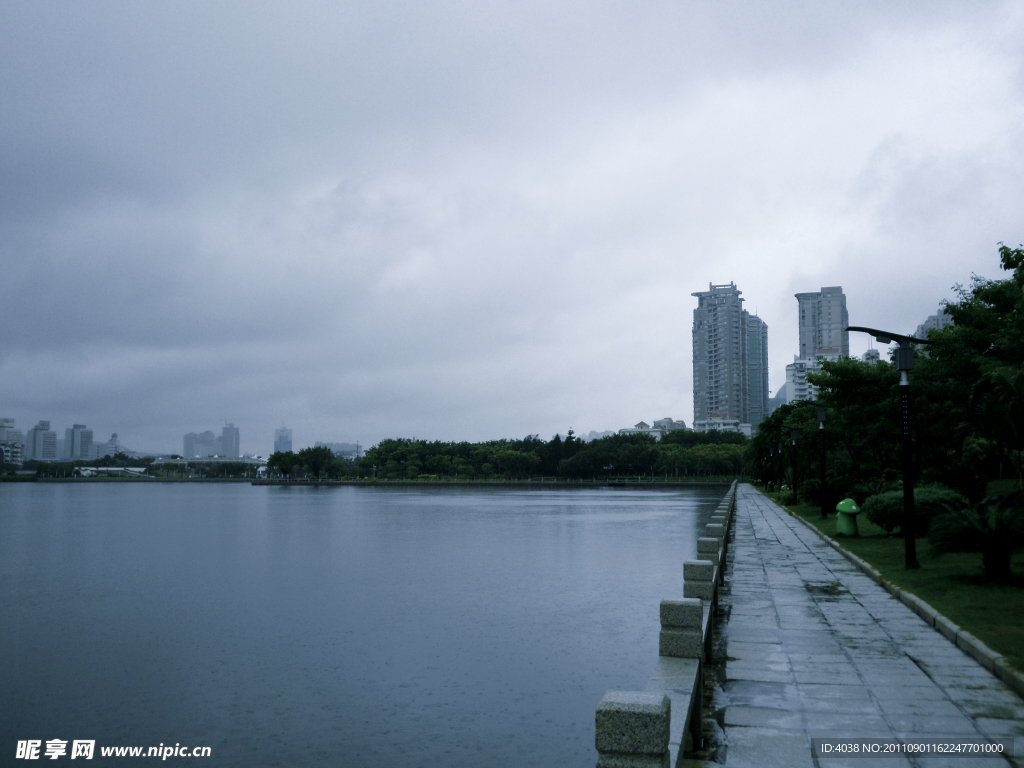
[886,509]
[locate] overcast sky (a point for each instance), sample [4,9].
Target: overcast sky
[473,220]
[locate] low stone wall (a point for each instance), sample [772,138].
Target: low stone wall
[653,727]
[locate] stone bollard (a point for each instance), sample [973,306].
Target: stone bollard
[708,549]
[632,730]
[681,628]
[698,576]
[716,530]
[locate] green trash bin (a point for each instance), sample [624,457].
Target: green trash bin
[846,518]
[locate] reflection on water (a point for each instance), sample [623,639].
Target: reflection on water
[341,626]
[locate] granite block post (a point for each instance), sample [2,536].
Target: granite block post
[708,549]
[632,730]
[681,628]
[698,579]
[716,530]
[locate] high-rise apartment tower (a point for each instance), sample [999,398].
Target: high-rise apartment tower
[823,320]
[730,358]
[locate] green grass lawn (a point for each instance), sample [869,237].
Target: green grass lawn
[953,584]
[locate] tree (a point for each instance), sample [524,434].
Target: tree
[994,527]
[282,462]
[319,461]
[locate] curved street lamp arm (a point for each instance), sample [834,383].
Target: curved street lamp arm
[887,337]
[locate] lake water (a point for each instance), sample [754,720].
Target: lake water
[332,626]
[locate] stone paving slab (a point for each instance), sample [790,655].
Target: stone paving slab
[816,649]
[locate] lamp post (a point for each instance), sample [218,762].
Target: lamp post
[781,464]
[796,493]
[821,456]
[904,363]
[821,450]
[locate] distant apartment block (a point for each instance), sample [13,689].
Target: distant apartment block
[78,443]
[730,360]
[823,320]
[229,439]
[200,445]
[871,356]
[41,443]
[282,440]
[939,320]
[12,443]
[669,425]
[720,424]
[757,370]
[110,448]
[797,385]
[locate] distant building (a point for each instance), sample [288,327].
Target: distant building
[110,448]
[781,397]
[78,443]
[41,443]
[757,369]
[343,450]
[197,446]
[669,425]
[797,385]
[282,440]
[730,359]
[594,435]
[721,423]
[823,320]
[871,356]
[12,443]
[229,438]
[643,428]
[939,320]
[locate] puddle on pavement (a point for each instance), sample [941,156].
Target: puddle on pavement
[827,591]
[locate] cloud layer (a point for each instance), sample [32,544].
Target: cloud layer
[468,222]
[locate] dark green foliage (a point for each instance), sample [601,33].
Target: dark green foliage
[318,462]
[886,509]
[994,526]
[714,437]
[568,457]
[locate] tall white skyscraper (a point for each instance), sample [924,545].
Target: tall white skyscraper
[730,358]
[823,320]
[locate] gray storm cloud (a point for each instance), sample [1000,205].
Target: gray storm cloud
[468,221]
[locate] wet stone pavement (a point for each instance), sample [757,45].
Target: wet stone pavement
[812,648]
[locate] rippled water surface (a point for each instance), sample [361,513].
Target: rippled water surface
[333,626]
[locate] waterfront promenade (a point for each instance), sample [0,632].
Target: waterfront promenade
[816,649]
